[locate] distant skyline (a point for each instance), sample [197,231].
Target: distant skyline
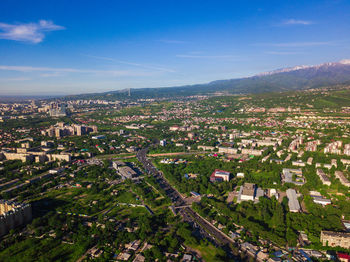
[72,47]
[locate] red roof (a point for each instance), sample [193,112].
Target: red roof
[343,255]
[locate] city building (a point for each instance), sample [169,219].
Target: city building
[123,170]
[13,215]
[219,176]
[293,202]
[324,178]
[335,239]
[333,148]
[254,152]
[303,239]
[319,199]
[298,163]
[249,192]
[127,172]
[340,175]
[294,176]
[207,148]
[57,110]
[61,130]
[240,175]
[228,150]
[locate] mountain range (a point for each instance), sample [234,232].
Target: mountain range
[286,79]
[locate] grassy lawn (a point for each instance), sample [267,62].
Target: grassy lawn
[207,252]
[122,212]
[127,197]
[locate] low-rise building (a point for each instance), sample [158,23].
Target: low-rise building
[293,202]
[240,175]
[335,239]
[228,150]
[319,199]
[345,161]
[303,239]
[254,152]
[309,161]
[324,178]
[294,176]
[298,163]
[250,192]
[340,175]
[219,176]
[207,148]
[127,172]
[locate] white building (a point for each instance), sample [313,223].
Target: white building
[293,202]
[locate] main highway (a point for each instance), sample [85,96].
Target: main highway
[205,228]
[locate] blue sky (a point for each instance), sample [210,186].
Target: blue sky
[72,47]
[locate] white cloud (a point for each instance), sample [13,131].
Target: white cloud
[31,32]
[56,71]
[297,22]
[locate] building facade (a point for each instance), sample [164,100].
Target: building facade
[13,215]
[335,239]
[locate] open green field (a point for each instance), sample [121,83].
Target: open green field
[207,251]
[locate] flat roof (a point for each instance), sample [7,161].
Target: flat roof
[293,202]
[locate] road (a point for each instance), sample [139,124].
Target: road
[123,156]
[205,228]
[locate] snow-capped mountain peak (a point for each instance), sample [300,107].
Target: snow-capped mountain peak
[345,62]
[295,68]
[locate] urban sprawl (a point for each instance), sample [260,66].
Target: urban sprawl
[200,178]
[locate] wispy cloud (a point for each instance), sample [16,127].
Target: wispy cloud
[207,56]
[303,44]
[163,69]
[283,53]
[297,22]
[73,70]
[15,79]
[297,44]
[31,32]
[52,74]
[172,41]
